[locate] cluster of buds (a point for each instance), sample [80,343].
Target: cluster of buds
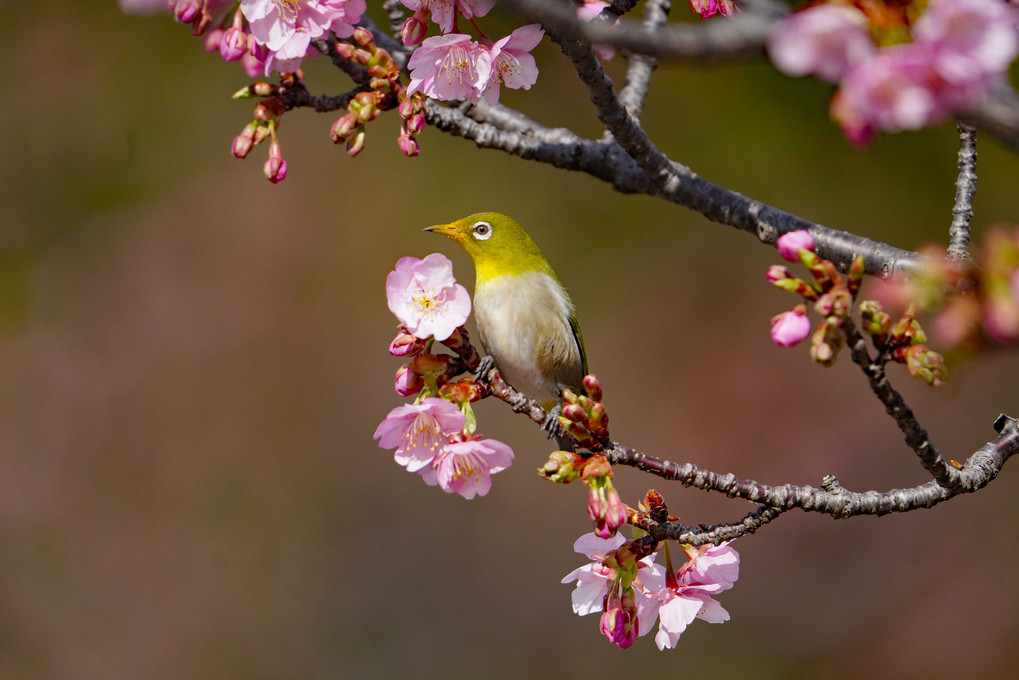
[198,13]
[385,92]
[904,342]
[604,506]
[268,115]
[435,371]
[829,293]
[975,303]
[584,416]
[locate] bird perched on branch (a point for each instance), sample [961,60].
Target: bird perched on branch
[526,320]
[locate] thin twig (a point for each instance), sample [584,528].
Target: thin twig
[965,188]
[916,436]
[641,67]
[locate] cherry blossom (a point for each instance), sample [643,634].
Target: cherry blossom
[286,27]
[426,298]
[512,63]
[824,40]
[467,467]
[449,67]
[420,431]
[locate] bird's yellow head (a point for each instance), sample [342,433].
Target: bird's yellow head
[496,244]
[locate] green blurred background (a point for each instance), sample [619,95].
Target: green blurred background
[193,361]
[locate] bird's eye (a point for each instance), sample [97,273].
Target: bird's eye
[482,230]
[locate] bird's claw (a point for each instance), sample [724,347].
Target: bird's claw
[486,364]
[551,423]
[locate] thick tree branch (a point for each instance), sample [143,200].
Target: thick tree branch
[742,37]
[608,162]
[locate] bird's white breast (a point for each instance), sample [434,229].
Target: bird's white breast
[523,321]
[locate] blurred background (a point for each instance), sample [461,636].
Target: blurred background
[193,362]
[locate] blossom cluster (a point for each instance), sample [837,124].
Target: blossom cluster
[833,297]
[898,68]
[435,435]
[975,303]
[452,65]
[632,591]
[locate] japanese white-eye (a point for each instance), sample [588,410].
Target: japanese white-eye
[526,320]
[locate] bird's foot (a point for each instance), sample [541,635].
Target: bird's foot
[551,424]
[486,365]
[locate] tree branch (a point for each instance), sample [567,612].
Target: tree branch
[965,188]
[741,37]
[916,436]
[978,470]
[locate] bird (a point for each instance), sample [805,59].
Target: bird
[525,318]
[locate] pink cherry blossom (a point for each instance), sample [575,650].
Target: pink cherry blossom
[711,564]
[467,467]
[426,298]
[512,63]
[286,27]
[823,40]
[898,89]
[449,67]
[790,243]
[688,594]
[972,39]
[444,11]
[593,579]
[678,606]
[420,431]
[790,328]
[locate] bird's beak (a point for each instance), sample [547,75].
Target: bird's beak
[444,229]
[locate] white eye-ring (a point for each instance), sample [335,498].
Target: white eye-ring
[482,231]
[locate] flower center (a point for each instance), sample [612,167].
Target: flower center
[423,432]
[468,467]
[457,64]
[287,9]
[427,301]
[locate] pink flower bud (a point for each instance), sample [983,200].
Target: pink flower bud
[408,383]
[790,328]
[355,144]
[186,11]
[415,123]
[408,146]
[405,344]
[342,128]
[364,38]
[778,272]
[212,40]
[593,387]
[790,244]
[234,44]
[414,29]
[275,169]
[242,146]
